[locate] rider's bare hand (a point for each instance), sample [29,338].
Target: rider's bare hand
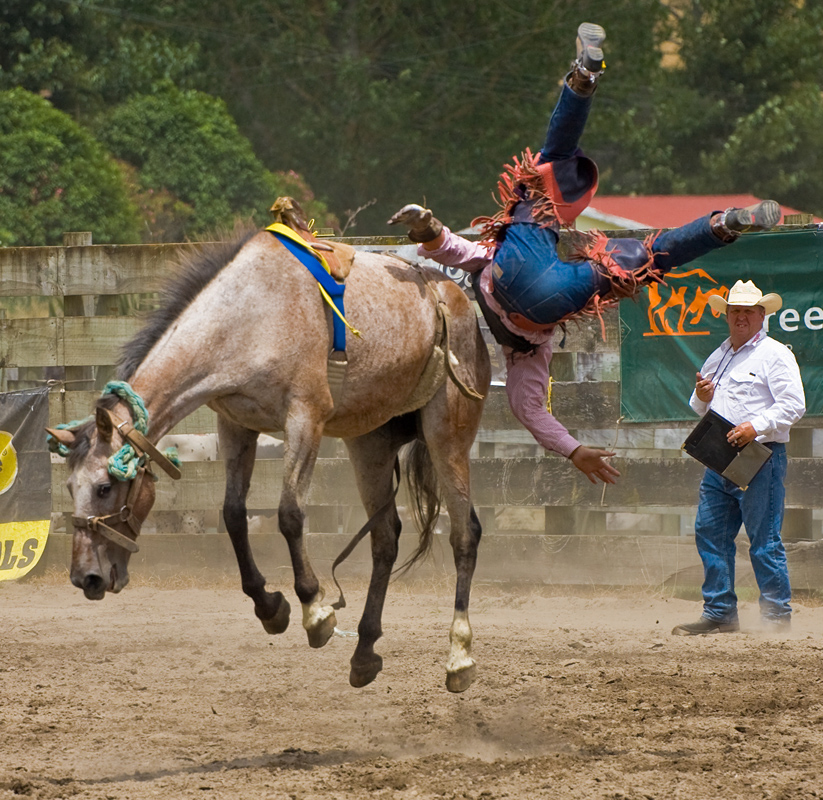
[594,465]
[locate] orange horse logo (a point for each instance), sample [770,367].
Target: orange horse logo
[676,315]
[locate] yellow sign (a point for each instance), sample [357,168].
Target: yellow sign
[21,545]
[8,462]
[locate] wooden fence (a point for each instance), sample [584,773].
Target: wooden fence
[66,311]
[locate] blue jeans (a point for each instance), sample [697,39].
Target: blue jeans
[566,126]
[530,278]
[721,510]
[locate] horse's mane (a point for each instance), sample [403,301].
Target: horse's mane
[197,270]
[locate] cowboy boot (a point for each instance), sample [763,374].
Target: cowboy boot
[589,64]
[729,224]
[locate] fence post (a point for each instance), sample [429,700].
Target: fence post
[77,239]
[78,378]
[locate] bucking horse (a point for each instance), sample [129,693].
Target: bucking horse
[245,330]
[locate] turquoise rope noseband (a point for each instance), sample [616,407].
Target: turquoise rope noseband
[124,464]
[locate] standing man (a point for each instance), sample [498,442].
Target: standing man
[754,382]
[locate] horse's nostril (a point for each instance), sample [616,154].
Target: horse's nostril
[93,585]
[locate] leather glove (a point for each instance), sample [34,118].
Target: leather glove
[422,225]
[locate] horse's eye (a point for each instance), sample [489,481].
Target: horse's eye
[103,489]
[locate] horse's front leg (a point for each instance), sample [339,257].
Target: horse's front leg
[303,433]
[239,447]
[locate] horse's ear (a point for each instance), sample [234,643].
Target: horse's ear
[105,427]
[62,435]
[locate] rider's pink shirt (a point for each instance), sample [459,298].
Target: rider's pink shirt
[527,375]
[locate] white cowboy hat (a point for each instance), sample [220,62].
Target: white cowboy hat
[746,294]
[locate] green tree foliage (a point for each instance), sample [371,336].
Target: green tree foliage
[740,108]
[382,102]
[401,100]
[775,151]
[186,144]
[85,57]
[163,216]
[55,177]
[89,58]
[36,46]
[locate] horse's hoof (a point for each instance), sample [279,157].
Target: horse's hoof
[322,630]
[362,674]
[461,679]
[280,621]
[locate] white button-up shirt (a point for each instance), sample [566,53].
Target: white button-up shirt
[759,383]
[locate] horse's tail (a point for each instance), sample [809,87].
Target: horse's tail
[425,499]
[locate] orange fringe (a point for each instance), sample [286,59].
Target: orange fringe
[591,246]
[521,180]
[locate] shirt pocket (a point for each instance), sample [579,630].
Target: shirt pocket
[742,385]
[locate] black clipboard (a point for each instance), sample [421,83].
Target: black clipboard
[708,444]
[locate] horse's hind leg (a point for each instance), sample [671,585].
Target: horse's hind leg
[303,432]
[449,432]
[239,448]
[460,668]
[373,457]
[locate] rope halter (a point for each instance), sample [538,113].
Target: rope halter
[129,463]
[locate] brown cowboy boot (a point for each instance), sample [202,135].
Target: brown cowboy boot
[761,216]
[705,625]
[589,64]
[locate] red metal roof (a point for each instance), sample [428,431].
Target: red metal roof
[669,211]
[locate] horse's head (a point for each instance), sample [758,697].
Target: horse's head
[108,511]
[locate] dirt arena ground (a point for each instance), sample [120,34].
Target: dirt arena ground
[178,693]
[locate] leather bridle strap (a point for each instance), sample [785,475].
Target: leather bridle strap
[125,514]
[142,444]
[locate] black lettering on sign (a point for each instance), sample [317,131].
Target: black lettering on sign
[29,553]
[8,561]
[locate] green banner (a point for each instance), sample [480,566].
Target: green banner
[25,481]
[670,331]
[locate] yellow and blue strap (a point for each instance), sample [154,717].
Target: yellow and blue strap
[319,269]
